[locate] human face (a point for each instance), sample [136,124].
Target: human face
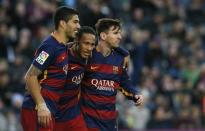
[86,45]
[72,26]
[113,36]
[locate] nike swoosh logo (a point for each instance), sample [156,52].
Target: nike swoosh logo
[72,68]
[93,67]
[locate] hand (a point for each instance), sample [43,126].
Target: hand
[138,100]
[44,115]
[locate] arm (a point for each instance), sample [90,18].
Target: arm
[130,91]
[127,88]
[33,85]
[43,113]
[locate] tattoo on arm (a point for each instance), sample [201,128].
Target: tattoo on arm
[33,71]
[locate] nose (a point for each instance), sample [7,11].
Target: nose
[120,36]
[90,47]
[78,26]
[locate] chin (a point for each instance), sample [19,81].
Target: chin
[85,57]
[115,46]
[73,36]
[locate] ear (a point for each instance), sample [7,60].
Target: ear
[62,24]
[103,35]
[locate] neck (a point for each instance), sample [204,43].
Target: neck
[104,48]
[60,37]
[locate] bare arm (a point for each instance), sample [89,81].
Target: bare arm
[43,113]
[33,84]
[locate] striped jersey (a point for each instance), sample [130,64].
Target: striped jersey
[52,59]
[103,77]
[69,106]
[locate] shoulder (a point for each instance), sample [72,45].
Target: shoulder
[48,44]
[121,51]
[46,48]
[70,45]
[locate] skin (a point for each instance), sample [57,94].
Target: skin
[86,45]
[109,40]
[72,26]
[65,31]
[113,37]
[44,117]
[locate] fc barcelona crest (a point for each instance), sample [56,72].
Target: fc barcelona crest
[115,69]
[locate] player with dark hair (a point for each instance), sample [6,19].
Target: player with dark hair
[104,75]
[70,117]
[46,77]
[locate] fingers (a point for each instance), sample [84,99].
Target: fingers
[44,115]
[139,100]
[44,118]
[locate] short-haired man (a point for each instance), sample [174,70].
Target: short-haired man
[104,75]
[70,117]
[47,74]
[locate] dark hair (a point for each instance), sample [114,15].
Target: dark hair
[85,30]
[63,13]
[104,24]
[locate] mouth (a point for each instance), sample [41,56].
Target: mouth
[118,41]
[86,54]
[75,32]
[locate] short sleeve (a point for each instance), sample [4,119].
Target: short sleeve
[122,51]
[44,56]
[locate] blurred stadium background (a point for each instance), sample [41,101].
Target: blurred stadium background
[166,40]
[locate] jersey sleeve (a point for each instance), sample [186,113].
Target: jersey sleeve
[126,86]
[122,51]
[43,56]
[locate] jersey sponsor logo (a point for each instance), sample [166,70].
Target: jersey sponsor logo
[42,57]
[94,67]
[107,85]
[78,79]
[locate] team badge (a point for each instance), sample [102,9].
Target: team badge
[115,69]
[42,57]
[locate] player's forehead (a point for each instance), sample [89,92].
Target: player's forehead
[87,37]
[74,18]
[114,28]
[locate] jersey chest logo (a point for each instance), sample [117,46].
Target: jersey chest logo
[115,69]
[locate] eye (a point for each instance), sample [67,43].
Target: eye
[93,44]
[76,21]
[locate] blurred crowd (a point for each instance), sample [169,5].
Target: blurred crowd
[166,41]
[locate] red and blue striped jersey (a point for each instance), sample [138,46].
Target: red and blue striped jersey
[103,77]
[69,106]
[52,59]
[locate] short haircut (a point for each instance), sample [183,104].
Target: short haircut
[85,30]
[104,24]
[63,13]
